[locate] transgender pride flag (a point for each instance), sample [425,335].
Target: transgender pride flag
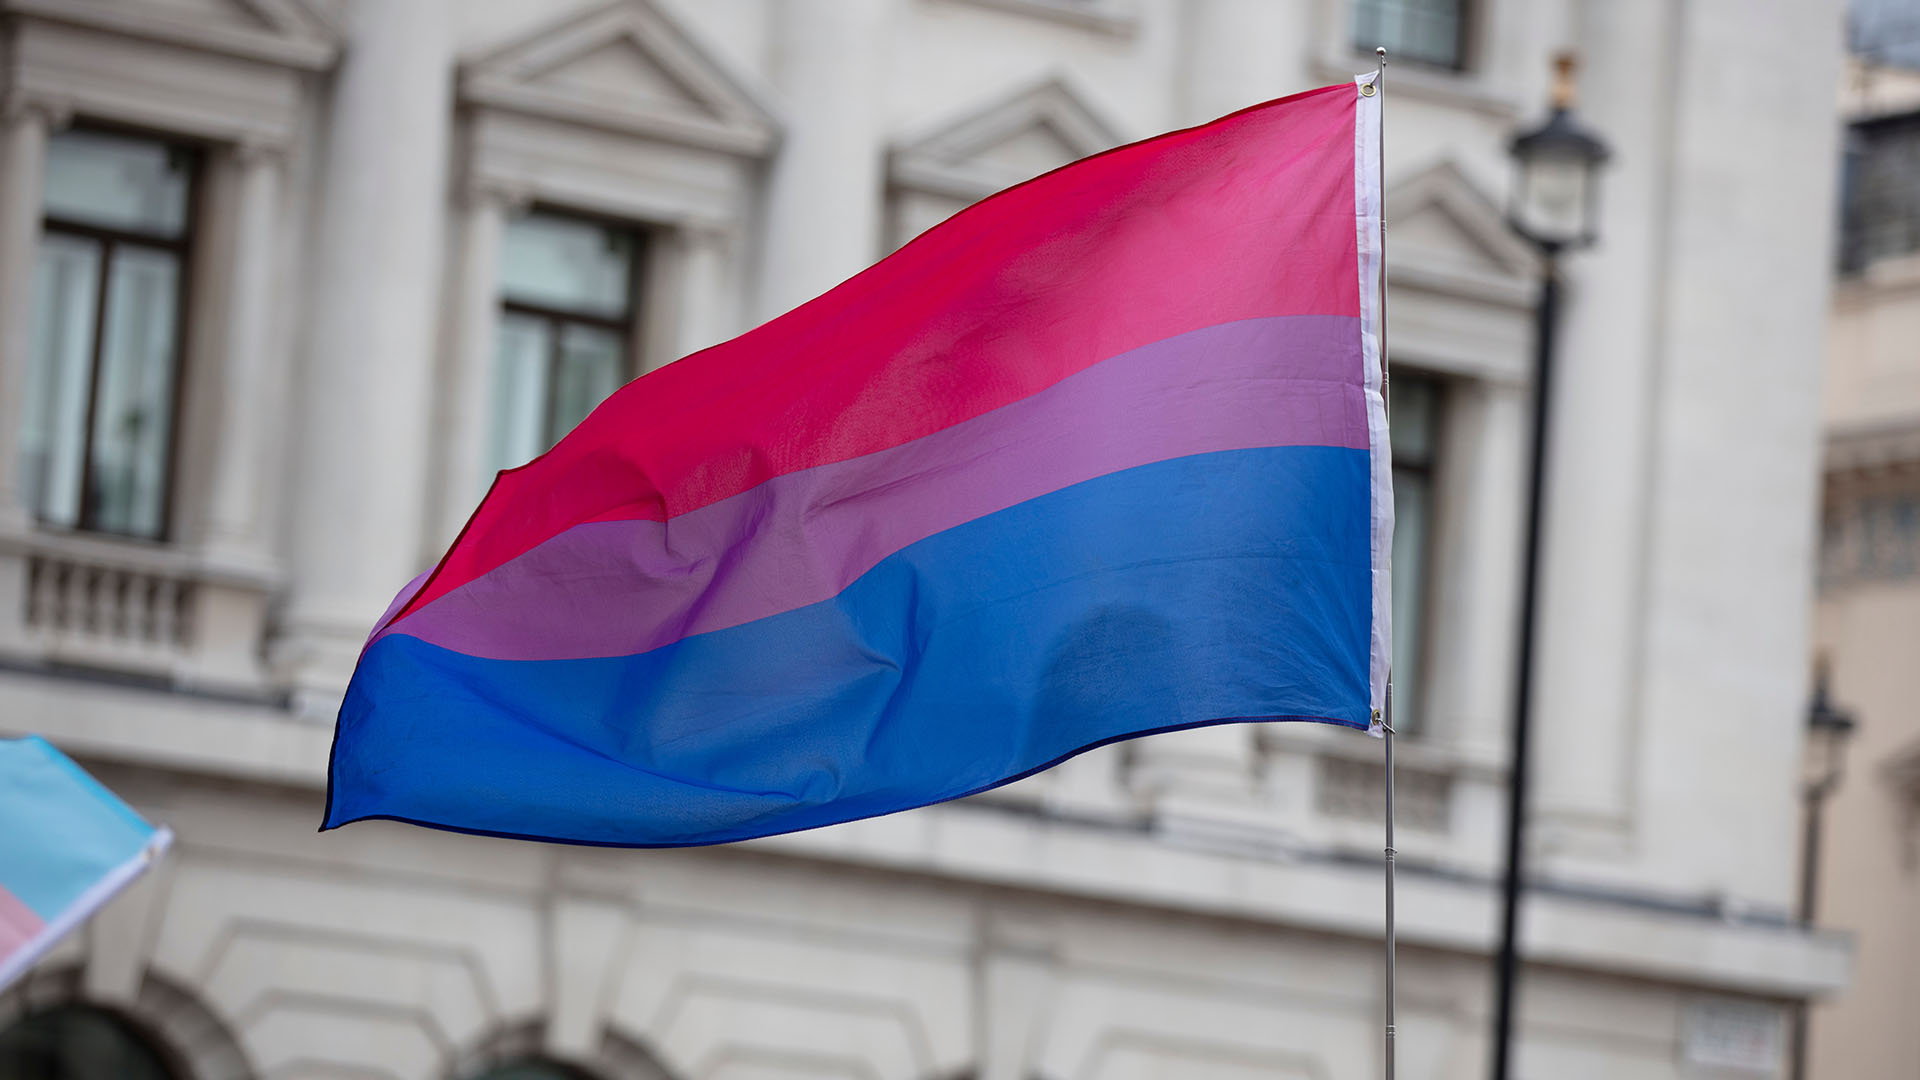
[1101,456]
[67,845]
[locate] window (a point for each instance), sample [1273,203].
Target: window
[97,431]
[77,1042]
[567,301]
[1881,187]
[1415,431]
[1429,32]
[1872,538]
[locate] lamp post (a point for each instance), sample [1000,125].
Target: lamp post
[1555,207]
[1828,728]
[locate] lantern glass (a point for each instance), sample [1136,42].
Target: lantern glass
[1825,755]
[1553,197]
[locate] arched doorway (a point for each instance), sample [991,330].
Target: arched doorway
[75,1041]
[50,1030]
[528,1069]
[517,1052]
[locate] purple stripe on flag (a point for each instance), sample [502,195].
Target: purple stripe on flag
[617,588]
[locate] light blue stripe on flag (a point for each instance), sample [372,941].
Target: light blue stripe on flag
[67,844]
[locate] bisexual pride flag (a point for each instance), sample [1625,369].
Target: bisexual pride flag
[1101,456]
[67,845]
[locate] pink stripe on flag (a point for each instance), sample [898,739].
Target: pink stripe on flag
[18,923]
[1248,217]
[623,587]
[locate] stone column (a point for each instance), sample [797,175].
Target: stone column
[1474,587]
[705,255]
[460,450]
[1241,52]
[1610,375]
[23,163]
[249,413]
[23,160]
[232,431]
[365,404]
[823,211]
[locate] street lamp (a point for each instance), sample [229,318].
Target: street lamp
[1828,729]
[1555,207]
[1555,201]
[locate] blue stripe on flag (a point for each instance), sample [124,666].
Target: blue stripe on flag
[1231,585]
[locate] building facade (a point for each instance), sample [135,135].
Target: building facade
[1867,880]
[283,281]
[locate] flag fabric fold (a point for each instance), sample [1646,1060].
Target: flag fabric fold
[1102,455]
[67,846]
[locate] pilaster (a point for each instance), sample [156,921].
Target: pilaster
[25,125]
[824,194]
[249,406]
[473,314]
[366,379]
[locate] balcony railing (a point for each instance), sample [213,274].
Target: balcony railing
[113,608]
[76,600]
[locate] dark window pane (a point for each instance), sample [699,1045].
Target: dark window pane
[1416,403]
[567,264]
[1423,31]
[1412,517]
[53,423]
[117,182]
[97,430]
[588,370]
[523,347]
[75,1042]
[566,285]
[133,405]
[1415,407]
[1882,191]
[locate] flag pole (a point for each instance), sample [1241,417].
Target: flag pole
[1380,87]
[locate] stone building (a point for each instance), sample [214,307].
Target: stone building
[1867,872]
[282,281]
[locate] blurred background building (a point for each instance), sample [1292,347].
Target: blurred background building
[282,282]
[1864,859]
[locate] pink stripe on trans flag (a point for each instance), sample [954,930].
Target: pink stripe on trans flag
[18,923]
[623,587]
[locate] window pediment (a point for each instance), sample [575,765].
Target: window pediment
[1014,138]
[1464,286]
[283,32]
[1445,233]
[625,67]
